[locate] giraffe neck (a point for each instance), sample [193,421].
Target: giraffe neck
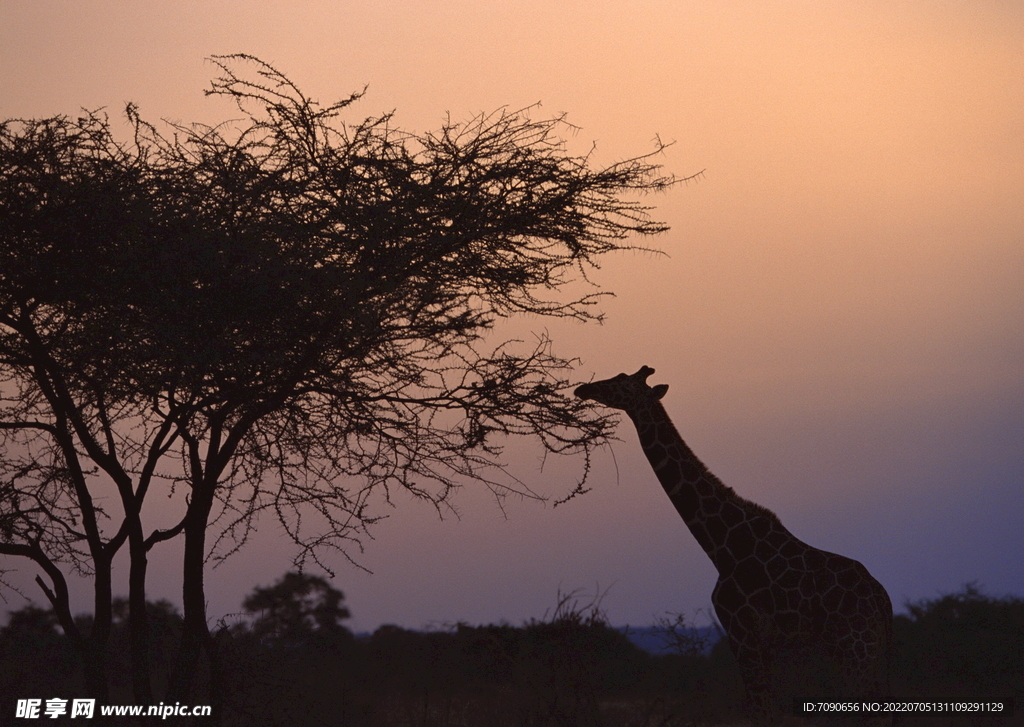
[709,508]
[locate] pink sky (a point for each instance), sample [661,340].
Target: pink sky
[840,316]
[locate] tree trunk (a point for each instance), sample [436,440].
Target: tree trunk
[92,648]
[138,622]
[195,634]
[94,655]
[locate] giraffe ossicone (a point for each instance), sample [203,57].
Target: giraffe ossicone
[798,619]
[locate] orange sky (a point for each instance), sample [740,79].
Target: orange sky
[840,317]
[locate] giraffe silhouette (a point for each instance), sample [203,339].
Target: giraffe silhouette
[797,618]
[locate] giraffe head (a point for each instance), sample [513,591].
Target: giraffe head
[628,392]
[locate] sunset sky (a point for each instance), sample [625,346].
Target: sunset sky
[839,316]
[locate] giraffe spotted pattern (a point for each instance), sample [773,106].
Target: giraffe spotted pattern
[798,619]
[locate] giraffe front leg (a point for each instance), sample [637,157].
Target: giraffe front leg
[744,629]
[756,670]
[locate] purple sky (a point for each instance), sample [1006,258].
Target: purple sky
[840,317]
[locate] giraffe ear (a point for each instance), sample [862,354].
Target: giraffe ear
[659,390]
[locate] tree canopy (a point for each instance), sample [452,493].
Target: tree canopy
[287,314]
[297,605]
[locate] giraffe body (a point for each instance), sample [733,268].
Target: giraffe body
[799,620]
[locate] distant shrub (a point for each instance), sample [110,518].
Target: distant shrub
[961,645]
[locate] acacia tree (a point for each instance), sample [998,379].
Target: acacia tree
[296,606]
[287,314]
